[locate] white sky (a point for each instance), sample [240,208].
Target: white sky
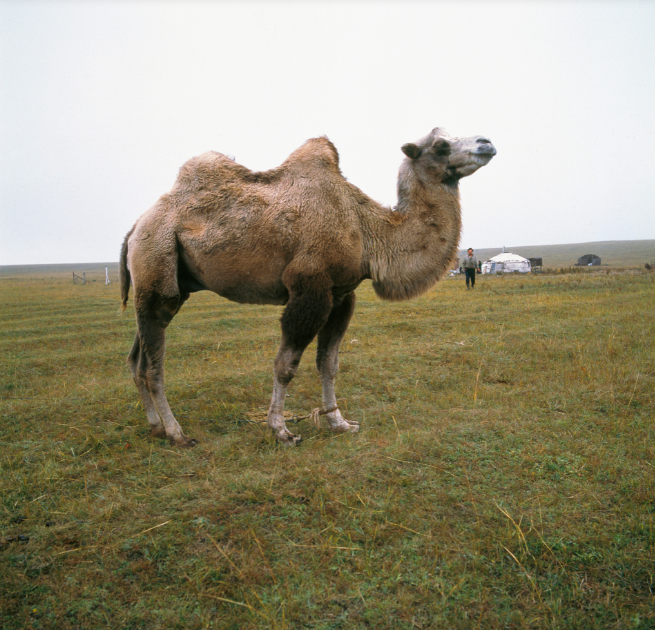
[102,102]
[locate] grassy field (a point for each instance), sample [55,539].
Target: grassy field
[503,477]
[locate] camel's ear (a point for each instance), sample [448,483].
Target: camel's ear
[411,150]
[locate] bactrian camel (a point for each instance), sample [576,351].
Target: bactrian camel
[298,235]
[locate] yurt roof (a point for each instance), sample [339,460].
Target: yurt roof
[508,257]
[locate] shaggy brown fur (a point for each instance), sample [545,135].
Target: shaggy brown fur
[298,235]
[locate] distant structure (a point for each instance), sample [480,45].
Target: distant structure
[536,264]
[588,260]
[506,262]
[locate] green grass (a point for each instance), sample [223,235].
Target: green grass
[503,476]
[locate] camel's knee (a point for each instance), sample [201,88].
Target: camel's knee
[153,377]
[327,365]
[330,336]
[146,375]
[286,366]
[145,360]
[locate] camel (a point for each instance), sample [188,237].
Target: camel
[300,236]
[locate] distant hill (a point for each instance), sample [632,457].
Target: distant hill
[96,270]
[612,253]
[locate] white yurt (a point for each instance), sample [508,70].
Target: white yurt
[506,263]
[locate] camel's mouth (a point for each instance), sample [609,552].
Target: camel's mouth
[467,162]
[485,148]
[483,157]
[483,153]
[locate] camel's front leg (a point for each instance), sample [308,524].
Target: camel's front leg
[305,314]
[286,366]
[327,361]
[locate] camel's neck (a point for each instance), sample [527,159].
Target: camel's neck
[413,247]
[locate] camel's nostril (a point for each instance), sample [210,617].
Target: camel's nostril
[486,149]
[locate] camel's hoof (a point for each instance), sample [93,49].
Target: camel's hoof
[346,427]
[289,439]
[184,442]
[159,432]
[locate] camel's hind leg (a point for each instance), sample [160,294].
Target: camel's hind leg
[135,357]
[146,361]
[327,361]
[305,314]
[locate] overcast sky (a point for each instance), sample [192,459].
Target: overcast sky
[102,102]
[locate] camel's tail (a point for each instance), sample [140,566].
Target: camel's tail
[124,273]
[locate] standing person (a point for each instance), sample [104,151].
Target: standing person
[470,264]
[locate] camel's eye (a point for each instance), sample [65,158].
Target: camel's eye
[441,148]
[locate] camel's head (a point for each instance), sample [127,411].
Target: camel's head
[449,159]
